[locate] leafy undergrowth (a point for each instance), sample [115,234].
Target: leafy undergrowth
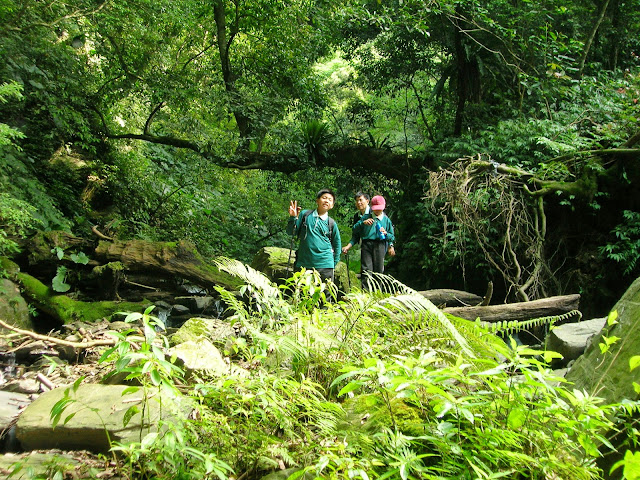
[374,386]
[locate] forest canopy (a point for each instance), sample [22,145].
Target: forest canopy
[503,134]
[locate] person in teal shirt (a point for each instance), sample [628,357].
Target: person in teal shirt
[319,235]
[375,230]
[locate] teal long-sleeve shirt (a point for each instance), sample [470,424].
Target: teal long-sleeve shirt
[316,249]
[362,231]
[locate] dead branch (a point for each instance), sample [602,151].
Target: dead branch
[59,341]
[98,234]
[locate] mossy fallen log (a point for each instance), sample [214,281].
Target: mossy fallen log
[180,259]
[63,308]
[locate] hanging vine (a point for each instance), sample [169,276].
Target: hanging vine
[499,210]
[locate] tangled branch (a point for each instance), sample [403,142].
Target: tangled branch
[500,210]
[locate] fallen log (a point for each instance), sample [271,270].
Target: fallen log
[64,308]
[545,307]
[450,298]
[168,259]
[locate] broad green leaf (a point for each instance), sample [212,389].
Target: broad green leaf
[128,415]
[516,418]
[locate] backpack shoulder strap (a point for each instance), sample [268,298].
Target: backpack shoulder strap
[303,224]
[330,221]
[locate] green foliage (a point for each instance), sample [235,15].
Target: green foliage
[17,220]
[58,283]
[9,135]
[378,385]
[485,423]
[626,248]
[315,139]
[146,363]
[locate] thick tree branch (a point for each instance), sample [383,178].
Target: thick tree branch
[147,125]
[162,140]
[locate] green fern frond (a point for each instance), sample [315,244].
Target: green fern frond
[249,275]
[284,347]
[233,303]
[409,304]
[626,408]
[387,284]
[516,326]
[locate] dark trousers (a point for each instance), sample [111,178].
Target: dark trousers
[372,253]
[325,273]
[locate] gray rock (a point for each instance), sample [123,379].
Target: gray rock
[571,339]
[178,309]
[11,404]
[34,465]
[195,303]
[98,411]
[23,385]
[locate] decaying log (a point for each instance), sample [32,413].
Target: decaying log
[168,259]
[545,307]
[451,298]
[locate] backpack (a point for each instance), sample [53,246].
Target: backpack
[304,224]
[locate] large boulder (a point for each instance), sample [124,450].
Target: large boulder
[608,375]
[275,262]
[96,415]
[27,466]
[571,339]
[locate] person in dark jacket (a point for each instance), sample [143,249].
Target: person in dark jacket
[319,236]
[375,230]
[362,204]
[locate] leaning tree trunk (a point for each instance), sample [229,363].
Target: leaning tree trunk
[592,35]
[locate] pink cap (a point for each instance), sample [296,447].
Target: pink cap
[378,203]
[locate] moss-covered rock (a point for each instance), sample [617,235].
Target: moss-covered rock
[370,413]
[607,375]
[13,307]
[346,279]
[277,264]
[197,328]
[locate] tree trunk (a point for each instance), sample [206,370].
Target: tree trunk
[451,298]
[545,307]
[592,35]
[64,309]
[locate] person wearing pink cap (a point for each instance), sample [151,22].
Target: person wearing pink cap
[376,232]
